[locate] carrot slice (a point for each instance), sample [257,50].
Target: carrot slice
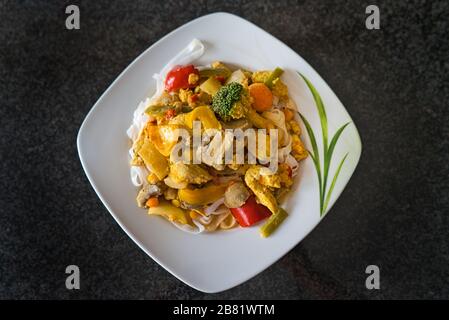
[152,202]
[263,98]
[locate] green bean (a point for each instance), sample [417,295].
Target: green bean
[273,223]
[276,73]
[218,72]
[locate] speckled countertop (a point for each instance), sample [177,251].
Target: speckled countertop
[394,212]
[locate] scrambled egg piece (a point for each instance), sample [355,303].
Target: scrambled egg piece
[263,192]
[185,94]
[188,173]
[298,150]
[294,126]
[279,88]
[285,174]
[219,65]
[260,76]
[193,78]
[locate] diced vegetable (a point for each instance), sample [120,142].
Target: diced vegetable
[250,213]
[172,213]
[163,137]
[242,124]
[231,102]
[157,163]
[262,96]
[170,113]
[152,202]
[148,191]
[237,76]
[273,223]
[178,78]
[193,98]
[218,72]
[211,86]
[288,114]
[157,110]
[202,196]
[258,121]
[205,115]
[276,73]
[221,79]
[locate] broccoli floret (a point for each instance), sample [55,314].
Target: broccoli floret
[231,101]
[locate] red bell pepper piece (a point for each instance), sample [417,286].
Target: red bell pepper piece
[178,77]
[170,113]
[250,212]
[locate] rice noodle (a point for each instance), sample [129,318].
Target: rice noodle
[278,118]
[140,118]
[217,220]
[294,165]
[228,223]
[188,228]
[284,152]
[207,219]
[214,206]
[139,175]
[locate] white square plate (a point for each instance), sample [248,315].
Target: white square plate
[216,261]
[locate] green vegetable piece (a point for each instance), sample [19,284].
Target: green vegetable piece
[276,73]
[257,120]
[218,72]
[211,86]
[157,109]
[228,102]
[273,223]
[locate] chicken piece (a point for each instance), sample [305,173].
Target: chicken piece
[148,191]
[263,192]
[188,173]
[272,180]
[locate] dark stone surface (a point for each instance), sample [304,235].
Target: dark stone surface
[394,212]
